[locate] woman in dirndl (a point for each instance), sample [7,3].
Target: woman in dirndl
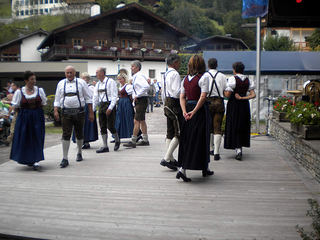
[195,134]
[238,119]
[90,129]
[125,113]
[29,133]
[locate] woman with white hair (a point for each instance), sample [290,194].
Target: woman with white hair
[125,113]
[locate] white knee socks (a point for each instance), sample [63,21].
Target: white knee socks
[65,148]
[172,146]
[217,143]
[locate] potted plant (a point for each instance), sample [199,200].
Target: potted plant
[305,119]
[281,107]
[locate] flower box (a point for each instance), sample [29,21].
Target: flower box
[308,132]
[280,116]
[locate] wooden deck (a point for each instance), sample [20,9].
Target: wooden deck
[127,195]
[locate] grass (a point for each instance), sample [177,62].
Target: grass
[51,129]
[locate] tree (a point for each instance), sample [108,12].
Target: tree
[278,43]
[314,40]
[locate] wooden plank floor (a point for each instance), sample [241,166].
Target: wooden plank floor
[127,195]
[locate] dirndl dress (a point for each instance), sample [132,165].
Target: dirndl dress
[124,116]
[28,140]
[238,120]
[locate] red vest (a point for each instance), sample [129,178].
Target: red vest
[123,93]
[192,89]
[241,86]
[32,102]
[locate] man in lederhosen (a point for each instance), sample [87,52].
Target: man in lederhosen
[140,97]
[217,84]
[105,96]
[71,96]
[171,84]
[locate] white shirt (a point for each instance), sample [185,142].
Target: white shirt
[72,101]
[91,89]
[140,85]
[203,84]
[128,88]
[232,82]
[171,83]
[221,81]
[16,99]
[111,95]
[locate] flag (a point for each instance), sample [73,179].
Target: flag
[254,8]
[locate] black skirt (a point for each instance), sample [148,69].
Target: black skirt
[238,124]
[194,140]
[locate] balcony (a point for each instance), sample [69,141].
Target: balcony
[126,26]
[62,52]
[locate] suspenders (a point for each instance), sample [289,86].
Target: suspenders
[71,93]
[214,82]
[164,83]
[105,92]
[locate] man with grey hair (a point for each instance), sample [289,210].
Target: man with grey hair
[71,96]
[171,83]
[140,97]
[105,96]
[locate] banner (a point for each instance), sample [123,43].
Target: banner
[254,8]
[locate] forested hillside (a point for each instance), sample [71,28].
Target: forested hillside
[201,18]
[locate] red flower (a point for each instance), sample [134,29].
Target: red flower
[275,107]
[316,103]
[294,104]
[304,105]
[278,104]
[289,100]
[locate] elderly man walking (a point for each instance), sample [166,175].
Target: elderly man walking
[105,96]
[71,96]
[140,97]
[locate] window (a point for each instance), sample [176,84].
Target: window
[31,11]
[125,43]
[46,10]
[41,1]
[46,1]
[22,13]
[168,45]
[41,11]
[17,13]
[149,44]
[77,42]
[27,2]
[227,46]
[152,73]
[36,12]
[101,43]
[51,1]
[56,1]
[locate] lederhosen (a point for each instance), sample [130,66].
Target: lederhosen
[141,105]
[172,111]
[72,117]
[216,107]
[106,122]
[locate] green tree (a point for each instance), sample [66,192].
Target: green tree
[278,43]
[314,40]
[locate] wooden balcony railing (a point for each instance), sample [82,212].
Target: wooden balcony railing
[129,27]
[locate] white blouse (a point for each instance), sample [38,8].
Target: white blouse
[203,84]
[232,82]
[16,99]
[128,88]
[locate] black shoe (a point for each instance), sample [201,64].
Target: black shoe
[113,141]
[143,143]
[102,150]
[216,157]
[239,156]
[116,146]
[86,146]
[79,157]
[175,163]
[169,165]
[184,178]
[207,173]
[130,145]
[212,152]
[64,163]
[36,167]
[139,138]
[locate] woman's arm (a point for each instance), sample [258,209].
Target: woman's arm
[183,105]
[251,95]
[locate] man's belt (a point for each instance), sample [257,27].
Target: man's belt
[70,94]
[101,90]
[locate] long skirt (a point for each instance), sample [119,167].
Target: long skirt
[194,140]
[238,124]
[28,139]
[90,129]
[124,118]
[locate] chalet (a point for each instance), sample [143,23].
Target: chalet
[218,43]
[23,48]
[115,38]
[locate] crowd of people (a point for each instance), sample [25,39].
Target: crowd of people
[194,108]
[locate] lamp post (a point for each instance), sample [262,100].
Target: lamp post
[118,61]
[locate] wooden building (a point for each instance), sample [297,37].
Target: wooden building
[130,32]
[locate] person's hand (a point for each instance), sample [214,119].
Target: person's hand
[190,114]
[108,112]
[56,115]
[237,96]
[91,116]
[186,116]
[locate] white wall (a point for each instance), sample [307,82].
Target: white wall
[29,46]
[113,66]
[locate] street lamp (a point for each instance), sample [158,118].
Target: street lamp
[118,61]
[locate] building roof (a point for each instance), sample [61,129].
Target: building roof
[18,40]
[127,8]
[272,62]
